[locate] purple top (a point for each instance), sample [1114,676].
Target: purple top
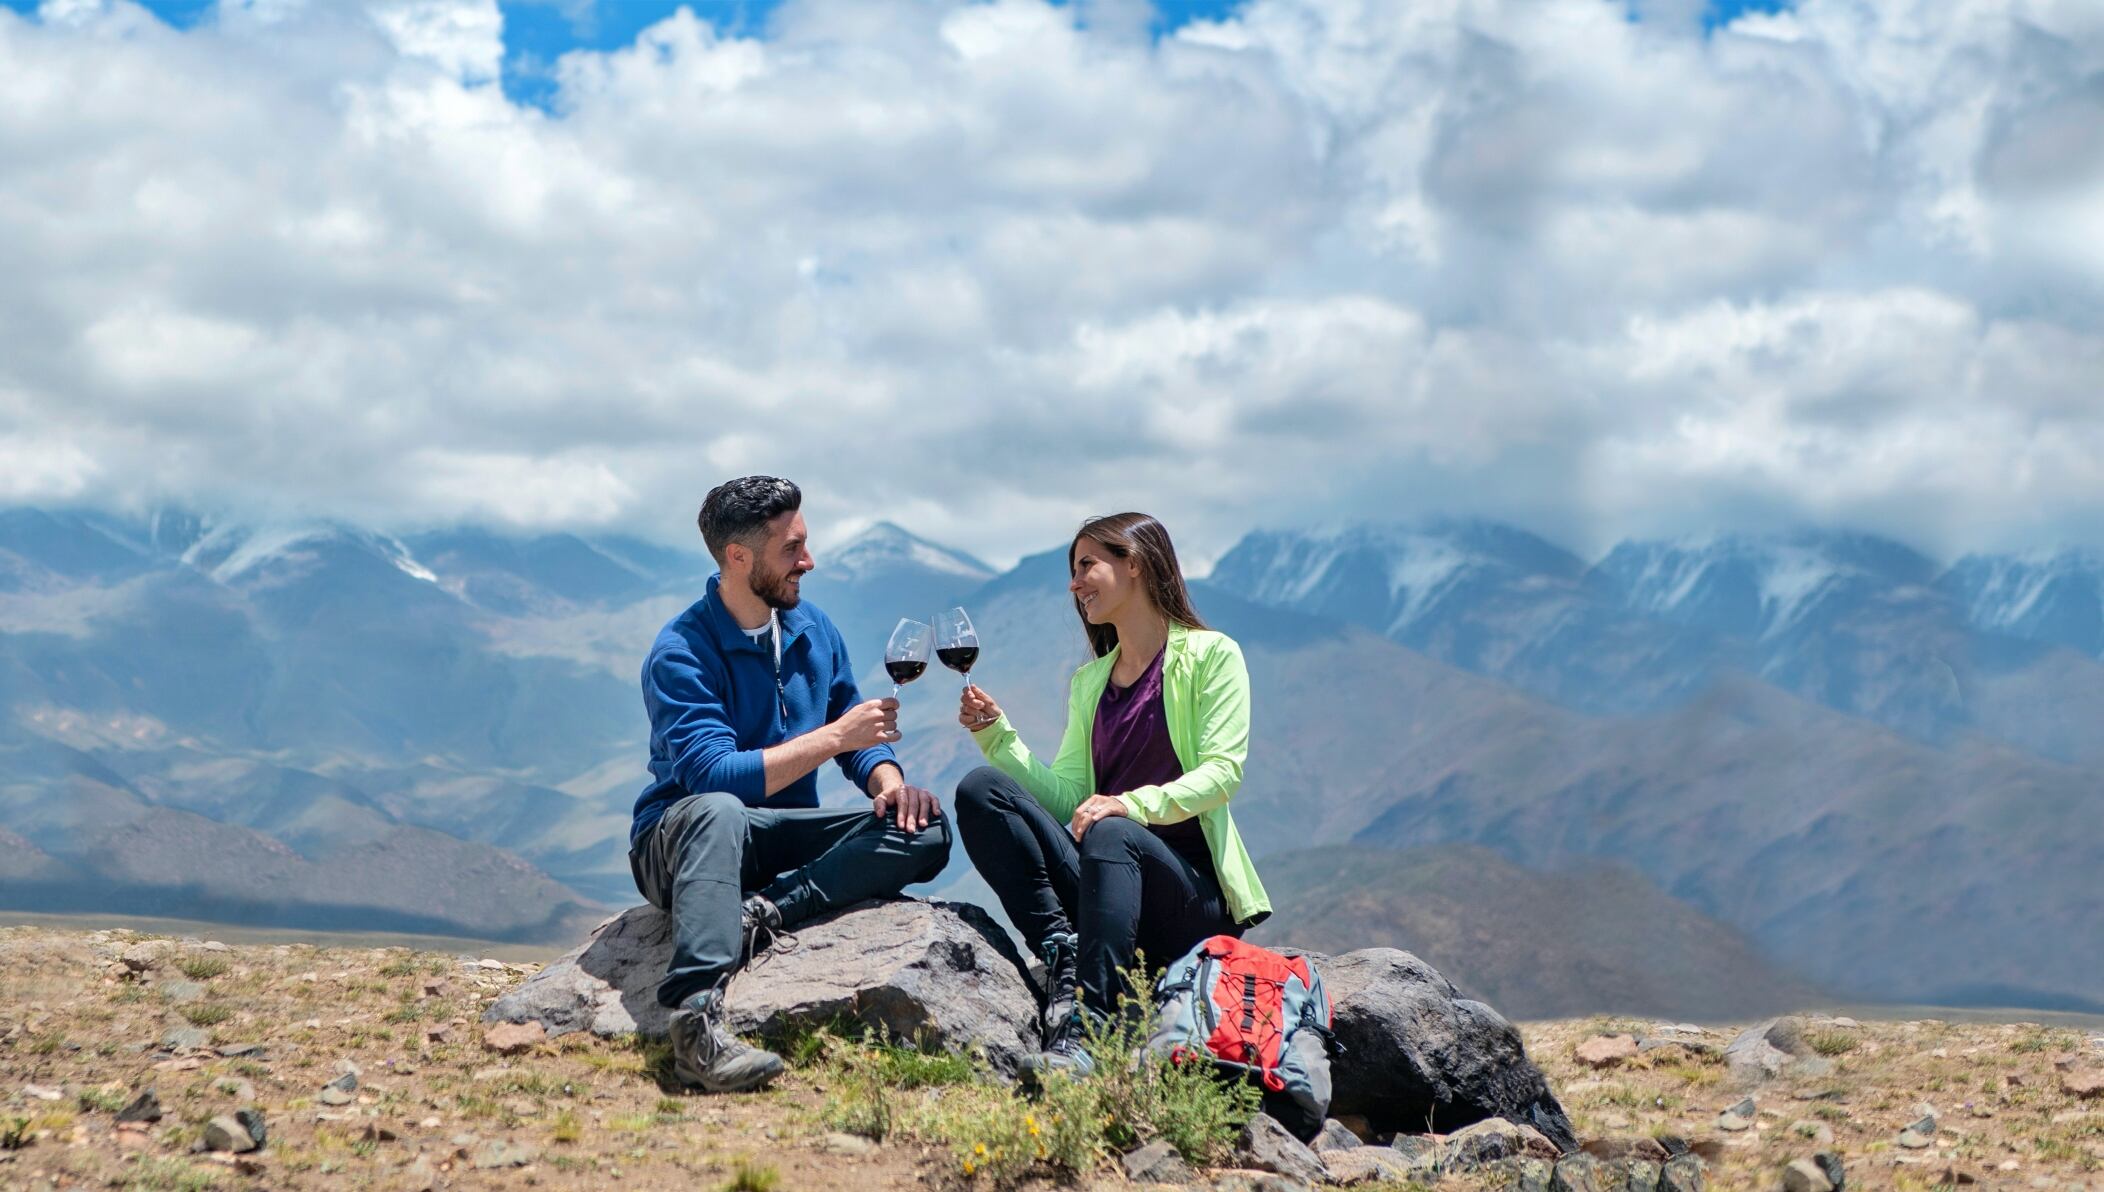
[1132,749]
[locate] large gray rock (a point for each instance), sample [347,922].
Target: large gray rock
[940,973]
[1777,1047]
[1416,1051]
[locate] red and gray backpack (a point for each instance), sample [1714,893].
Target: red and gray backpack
[1255,1015]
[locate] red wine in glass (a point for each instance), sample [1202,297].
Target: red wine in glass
[957,643]
[906,654]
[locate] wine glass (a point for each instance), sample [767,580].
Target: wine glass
[957,643]
[906,654]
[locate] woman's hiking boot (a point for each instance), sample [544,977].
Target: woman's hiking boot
[1062,980]
[705,1053]
[1066,1049]
[1066,1035]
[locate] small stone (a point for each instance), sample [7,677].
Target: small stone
[1913,1141]
[1803,1175]
[1684,1035]
[1157,1163]
[1578,1173]
[1366,1165]
[1527,1174]
[1605,1051]
[1956,1177]
[839,1143]
[42,1092]
[1268,1146]
[511,1038]
[331,1095]
[1483,1143]
[181,991]
[226,1133]
[1830,1165]
[438,1034]
[2085,1083]
[1415,1146]
[213,946]
[347,1067]
[434,987]
[1623,1149]
[1334,1137]
[498,1153]
[347,1082]
[1924,1125]
[186,1038]
[429,1123]
[252,1120]
[146,1107]
[1732,1123]
[253,1051]
[377,1132]
[1682,1173]
[141,958]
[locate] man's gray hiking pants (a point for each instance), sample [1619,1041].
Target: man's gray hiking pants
[708,852]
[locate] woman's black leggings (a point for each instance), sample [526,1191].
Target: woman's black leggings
[1123,889]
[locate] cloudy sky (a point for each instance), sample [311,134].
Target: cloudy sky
[983,268]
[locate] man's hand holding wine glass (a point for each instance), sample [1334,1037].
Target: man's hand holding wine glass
[869,723]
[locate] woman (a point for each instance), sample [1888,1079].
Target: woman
[1124,843]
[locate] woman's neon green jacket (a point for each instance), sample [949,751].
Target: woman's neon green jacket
[1205,695]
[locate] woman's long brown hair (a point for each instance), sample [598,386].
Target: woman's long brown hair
[1137,536]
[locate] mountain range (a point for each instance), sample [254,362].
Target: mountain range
[1873,771]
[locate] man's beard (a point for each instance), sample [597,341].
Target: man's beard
[775,590]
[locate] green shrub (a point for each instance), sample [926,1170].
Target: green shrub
[203,967]
[1831,1043]
[749,1177]
[1067,1128]
[207,1013]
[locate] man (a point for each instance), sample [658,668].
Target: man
[749,693]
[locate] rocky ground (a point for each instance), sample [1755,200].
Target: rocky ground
[371,1068]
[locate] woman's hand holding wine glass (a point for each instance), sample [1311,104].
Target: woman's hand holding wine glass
[976,709]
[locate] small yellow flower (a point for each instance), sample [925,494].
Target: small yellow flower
[980,1149]
[968,1169]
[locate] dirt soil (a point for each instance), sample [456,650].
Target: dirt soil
[90,1019]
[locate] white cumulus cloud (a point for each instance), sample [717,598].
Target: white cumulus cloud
[984,268]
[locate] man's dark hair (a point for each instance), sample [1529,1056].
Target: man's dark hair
[739,510]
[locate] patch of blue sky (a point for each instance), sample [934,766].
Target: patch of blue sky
[538,32]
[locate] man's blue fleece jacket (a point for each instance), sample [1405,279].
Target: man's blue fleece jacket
[714,705]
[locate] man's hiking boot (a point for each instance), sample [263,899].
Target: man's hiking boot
[760,923]
[705,1053]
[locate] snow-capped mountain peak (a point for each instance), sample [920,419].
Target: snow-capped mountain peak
[886,545]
